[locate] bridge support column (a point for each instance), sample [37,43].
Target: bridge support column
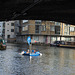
[60,38]
[56,38]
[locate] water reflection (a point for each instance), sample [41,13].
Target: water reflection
[54,61]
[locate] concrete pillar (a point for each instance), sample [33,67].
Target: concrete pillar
[60,38]
[50,39]
[56,38]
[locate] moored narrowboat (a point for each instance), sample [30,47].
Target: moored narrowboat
[2,44]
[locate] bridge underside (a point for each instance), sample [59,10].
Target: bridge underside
[53,10]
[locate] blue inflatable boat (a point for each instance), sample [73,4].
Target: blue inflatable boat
[31,54]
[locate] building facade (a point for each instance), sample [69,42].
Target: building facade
[45,31]
[1,28]
[9,31]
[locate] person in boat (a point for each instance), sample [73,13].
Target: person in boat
[34,51]
[28,51]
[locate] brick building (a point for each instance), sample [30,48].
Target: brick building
[45,31]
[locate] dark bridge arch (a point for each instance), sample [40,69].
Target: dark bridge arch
[55,10]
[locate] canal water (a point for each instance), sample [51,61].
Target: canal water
[54,61]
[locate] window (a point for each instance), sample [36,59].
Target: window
[66,30]
[66,24]
[37,22]
[71,28]
[12,24]
[12,30]
[24,28]
[25,21]
[36,38]
[7,23]
[43,28]
[52,28]
[3,30]
[37,29]
[57,29]
[8,36]
[57,23]
[7,30]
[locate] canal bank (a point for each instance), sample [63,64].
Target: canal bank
[67,46]
[43,44]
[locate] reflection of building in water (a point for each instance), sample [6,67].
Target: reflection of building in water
[67,61]
[62,58]
[74,54]
[72,58]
